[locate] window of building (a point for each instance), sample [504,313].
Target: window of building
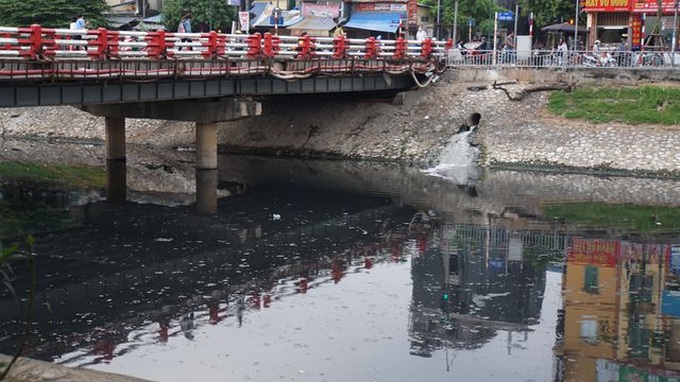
[425,19]
[589,330]
[590,279]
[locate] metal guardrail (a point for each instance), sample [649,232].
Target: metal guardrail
[652,60]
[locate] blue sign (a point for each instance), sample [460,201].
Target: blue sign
[471,22]
[670,303]
[506,16]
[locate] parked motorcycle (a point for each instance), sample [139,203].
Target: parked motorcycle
[606,60]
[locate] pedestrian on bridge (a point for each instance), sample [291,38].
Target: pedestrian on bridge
[185,27]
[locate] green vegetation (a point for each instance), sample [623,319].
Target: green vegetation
[60,175]
[211,12]
[631,105]
[637,218]
[51,13]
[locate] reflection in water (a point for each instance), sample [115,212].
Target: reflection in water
[414,278]
[620,320]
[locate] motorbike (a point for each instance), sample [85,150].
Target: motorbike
[606,60]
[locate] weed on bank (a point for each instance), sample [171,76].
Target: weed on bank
[631,105]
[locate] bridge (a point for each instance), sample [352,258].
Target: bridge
[204,78]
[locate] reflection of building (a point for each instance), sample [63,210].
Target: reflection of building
[478,281]
[612,325]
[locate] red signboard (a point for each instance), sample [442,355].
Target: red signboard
[636,37]
[413,12]
[607,5]
[594,252]
[651,6]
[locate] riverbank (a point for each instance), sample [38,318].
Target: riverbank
[511,134]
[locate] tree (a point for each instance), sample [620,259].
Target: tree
[548,12]
[214,14]
[481,11]
[51,13]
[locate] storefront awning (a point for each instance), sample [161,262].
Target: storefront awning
[315,23]
[387,22]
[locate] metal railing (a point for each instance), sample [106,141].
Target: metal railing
[565,60]
[37,53]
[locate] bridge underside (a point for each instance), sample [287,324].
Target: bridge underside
[23,94]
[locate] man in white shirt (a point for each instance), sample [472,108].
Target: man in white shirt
[421,35]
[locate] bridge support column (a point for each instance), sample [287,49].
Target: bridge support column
[116,173]
[206,167]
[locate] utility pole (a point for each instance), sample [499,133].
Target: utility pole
[576,27]
[455,20]
[439,12]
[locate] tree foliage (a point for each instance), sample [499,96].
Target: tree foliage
[481,11]
[51,13]
[213,14]
[548,12]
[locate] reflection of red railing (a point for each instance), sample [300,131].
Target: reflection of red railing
[37,52]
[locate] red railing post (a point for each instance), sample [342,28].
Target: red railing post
[272,45]
[400,48]
[35,41]
[449,44]
[102,44]
[211,45]
[340,47]
[371,48]
[254,43]
[156,44]
[426,48]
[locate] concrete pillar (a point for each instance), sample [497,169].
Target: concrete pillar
[206,167]
[116,173]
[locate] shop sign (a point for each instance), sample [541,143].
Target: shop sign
[321,10]
[651,6]
[607,5]
[364,7]
[594,252]
[413,12]
[636,36]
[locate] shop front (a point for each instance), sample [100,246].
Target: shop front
[633,21]
[608,21]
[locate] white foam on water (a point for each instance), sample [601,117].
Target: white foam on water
[457,161]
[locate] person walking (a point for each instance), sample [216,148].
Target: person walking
[421,35]
[184,26]
[80,25]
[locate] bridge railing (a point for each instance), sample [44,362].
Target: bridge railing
[652,60]
[35,52]
[37,43]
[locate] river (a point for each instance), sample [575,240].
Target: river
[355,271]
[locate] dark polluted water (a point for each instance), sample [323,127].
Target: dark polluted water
[334,271]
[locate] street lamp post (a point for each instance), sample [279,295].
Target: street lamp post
[576,27]
[277,14]
[439,12]
[674,40]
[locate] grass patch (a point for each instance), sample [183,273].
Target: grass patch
[74,176]
[630,105]
[641,219]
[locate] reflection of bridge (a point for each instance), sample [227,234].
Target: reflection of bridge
[197,77]
[156,250]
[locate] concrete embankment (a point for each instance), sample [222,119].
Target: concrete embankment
[511,133]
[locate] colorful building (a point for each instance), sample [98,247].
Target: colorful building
[633,20]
